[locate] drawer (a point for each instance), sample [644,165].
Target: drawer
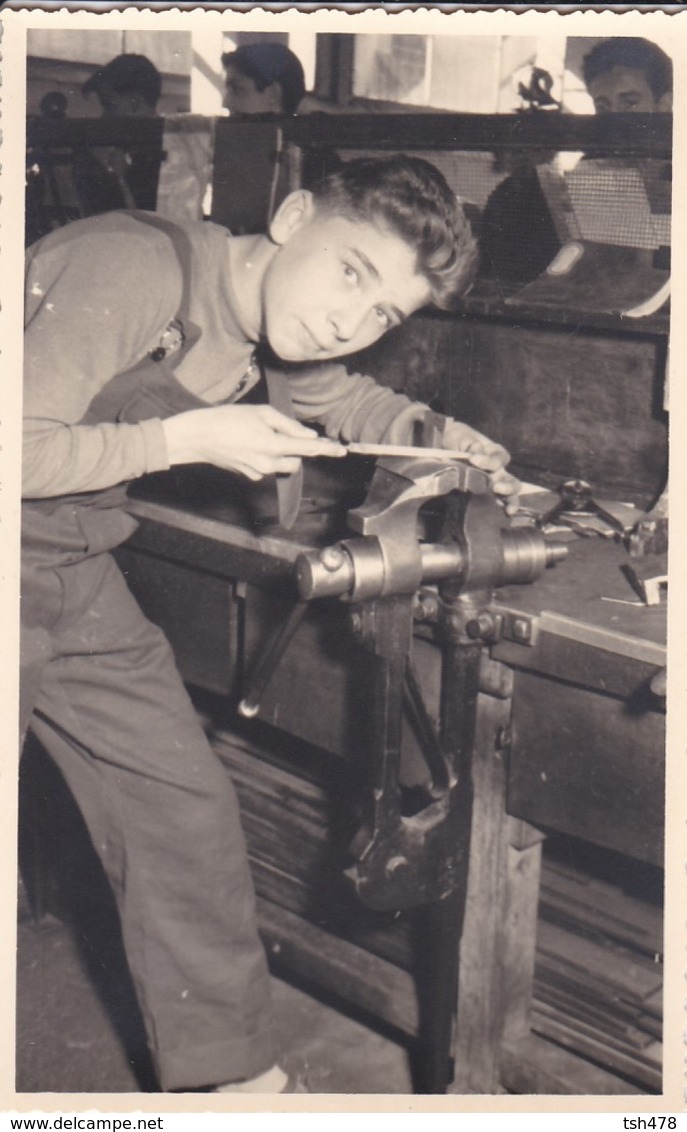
[588,764]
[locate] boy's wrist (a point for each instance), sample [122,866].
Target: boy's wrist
[177,440]
[155,445]
[429,430]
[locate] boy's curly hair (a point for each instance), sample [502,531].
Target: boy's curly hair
[409,196]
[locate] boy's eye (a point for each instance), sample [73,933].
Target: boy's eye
[350,273]
[382,317]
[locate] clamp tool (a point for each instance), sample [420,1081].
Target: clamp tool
[576,503]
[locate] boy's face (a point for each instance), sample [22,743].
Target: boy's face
[122,104]
[242,97]
[334,286]
[624,90]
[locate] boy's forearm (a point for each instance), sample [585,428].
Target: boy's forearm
[354,407]
[64,459]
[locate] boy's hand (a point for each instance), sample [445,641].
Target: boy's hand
[486,454]
[253,440]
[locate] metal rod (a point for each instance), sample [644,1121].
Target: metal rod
[268,661]
[429,740]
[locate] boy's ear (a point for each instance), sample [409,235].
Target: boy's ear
[294,211]
[665,103]
[273,98]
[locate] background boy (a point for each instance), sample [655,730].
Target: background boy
[629,75]
[128,86]
[263,78]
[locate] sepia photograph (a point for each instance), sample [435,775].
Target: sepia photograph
[343,660]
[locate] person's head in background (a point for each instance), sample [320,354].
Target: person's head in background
[627,75]
[127,86]
[262,78]
[53,105]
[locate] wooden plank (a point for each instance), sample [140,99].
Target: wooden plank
[600,907]
[615,968]
[630,1066]
[556,979]
[617,1052]
[653,1003]
[652,1026]
[536,1066]
[388,942]
[355,977]
[607,1017]
[629,893]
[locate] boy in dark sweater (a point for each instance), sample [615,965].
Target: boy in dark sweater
[140,346]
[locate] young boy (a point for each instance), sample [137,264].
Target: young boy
[140,341]
[128,86]
[262,78]
[628,75]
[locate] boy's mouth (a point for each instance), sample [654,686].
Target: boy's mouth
[312,344]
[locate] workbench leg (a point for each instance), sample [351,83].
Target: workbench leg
[460,677]
[499,935]
[437,985]
[523,874]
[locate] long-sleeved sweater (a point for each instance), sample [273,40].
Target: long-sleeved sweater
[99,295]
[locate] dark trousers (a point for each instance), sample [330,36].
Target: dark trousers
[110,708]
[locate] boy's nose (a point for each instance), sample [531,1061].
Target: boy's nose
[347,322]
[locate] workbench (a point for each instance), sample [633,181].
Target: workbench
[569,738]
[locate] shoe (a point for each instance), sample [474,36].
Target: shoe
[296,1084]
[265,1083]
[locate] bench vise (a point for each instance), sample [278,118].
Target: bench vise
[430,543]
[423,522]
